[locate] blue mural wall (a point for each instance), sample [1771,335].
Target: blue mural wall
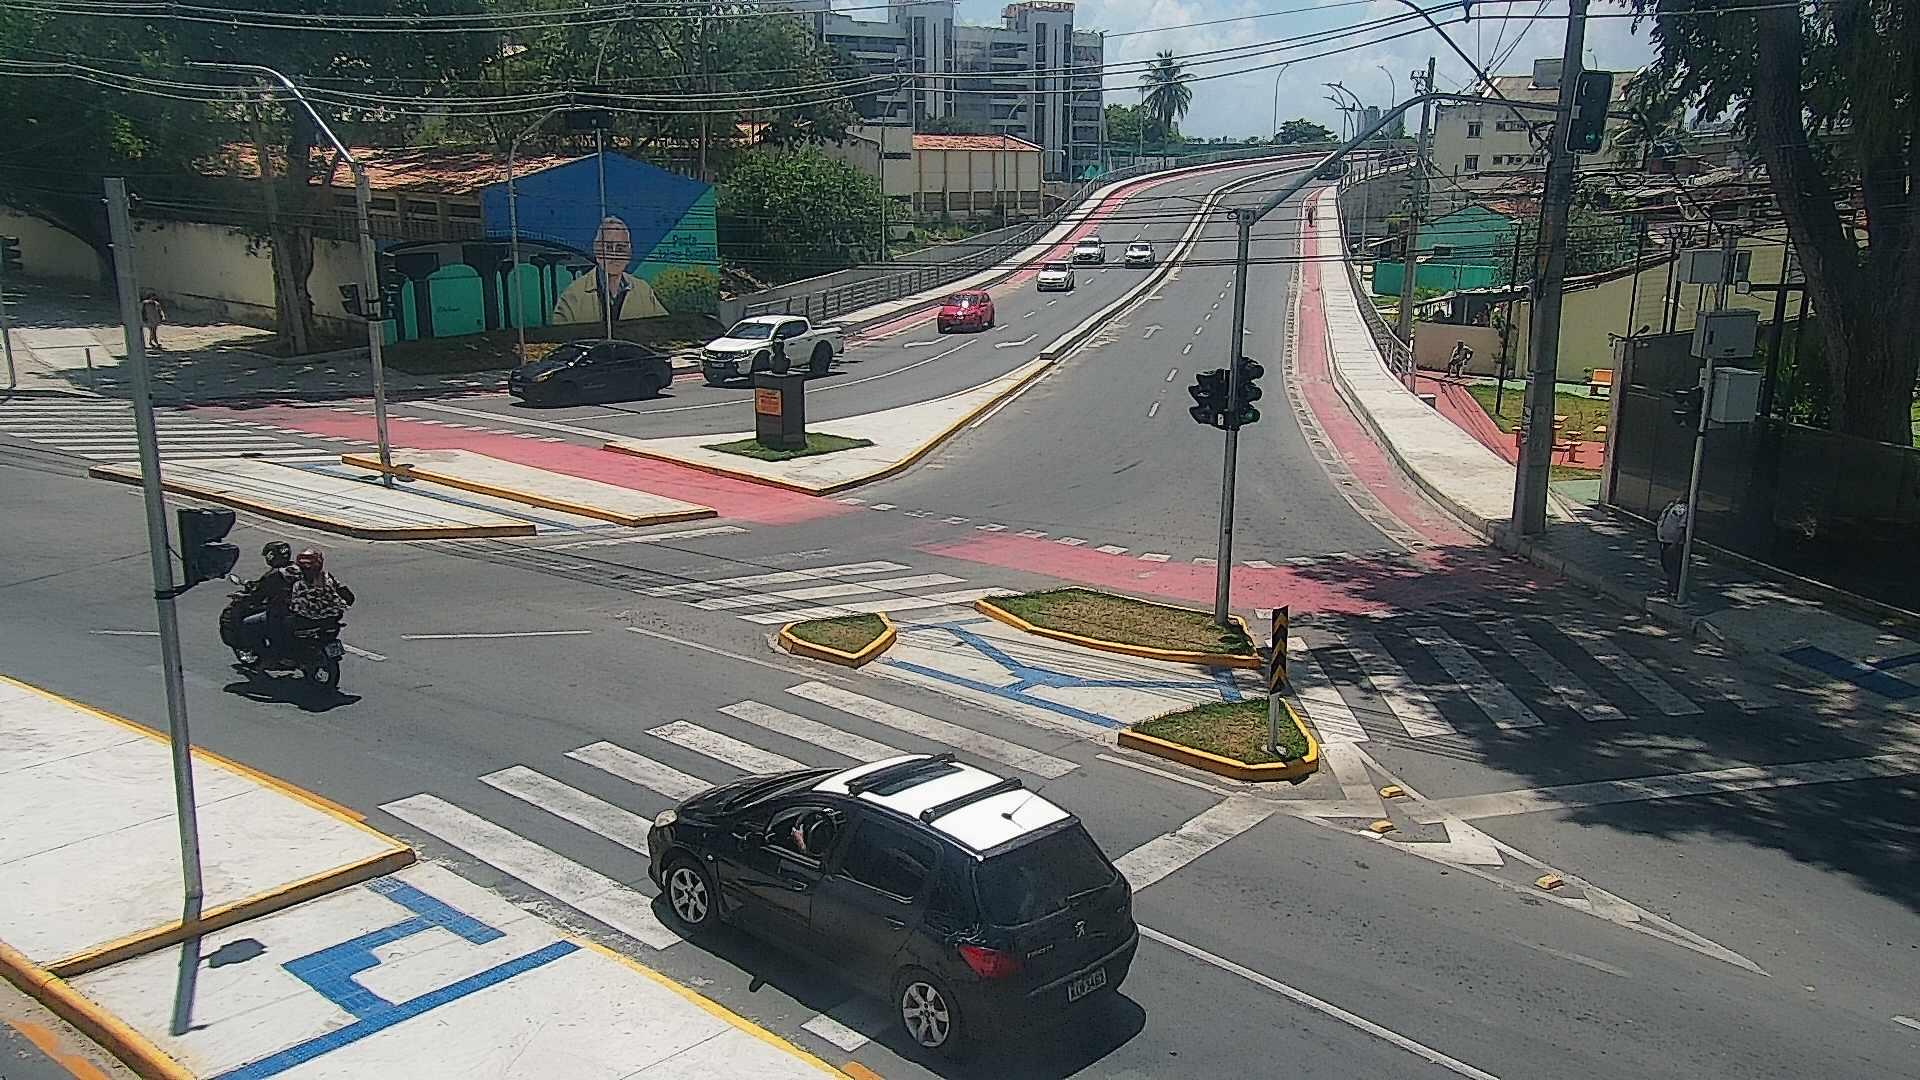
[653,253]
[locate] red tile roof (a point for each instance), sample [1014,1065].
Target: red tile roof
[434,169]
[974,142]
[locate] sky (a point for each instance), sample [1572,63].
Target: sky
[1244,104]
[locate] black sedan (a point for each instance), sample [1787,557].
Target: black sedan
[591,370]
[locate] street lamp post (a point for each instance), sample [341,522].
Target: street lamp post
[1276,99]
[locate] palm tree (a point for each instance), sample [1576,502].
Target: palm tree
[1164,90]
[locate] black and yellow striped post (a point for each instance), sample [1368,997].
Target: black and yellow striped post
[1276,678]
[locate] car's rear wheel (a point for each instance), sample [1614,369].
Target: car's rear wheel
[928,1013]
[822,359]
[691,896]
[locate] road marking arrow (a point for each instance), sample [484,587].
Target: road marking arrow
[1151,330]
[1014,344]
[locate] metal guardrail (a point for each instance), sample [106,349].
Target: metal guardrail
[826,305]
[1397,353]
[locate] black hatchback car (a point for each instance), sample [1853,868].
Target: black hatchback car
[591,370]
[971,905]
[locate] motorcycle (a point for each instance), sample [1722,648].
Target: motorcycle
[313,652]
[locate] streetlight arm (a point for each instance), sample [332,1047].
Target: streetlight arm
[262,69]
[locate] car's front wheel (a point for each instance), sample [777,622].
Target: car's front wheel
[928,1013]
[691,895]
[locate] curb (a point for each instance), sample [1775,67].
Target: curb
[800,647]
[415,472]
[321,522]
[113,1035]
[1173,656]
[1232,768]
[893,469]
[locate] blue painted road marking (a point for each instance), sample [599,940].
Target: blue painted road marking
[330,973]
[1871,677]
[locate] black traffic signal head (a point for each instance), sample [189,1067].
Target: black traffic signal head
[1249,373]
[1587,131]
[204,551]
[1209,392]
[10,255]
[1687,401]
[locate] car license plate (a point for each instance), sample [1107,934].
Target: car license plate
[1086,984]
[335,650]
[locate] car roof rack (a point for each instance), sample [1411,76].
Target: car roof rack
[934,813]
[901,770]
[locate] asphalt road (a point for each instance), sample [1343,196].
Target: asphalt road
[1298,945]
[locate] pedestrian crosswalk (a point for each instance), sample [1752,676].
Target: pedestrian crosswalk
[104,431]
[822,592]
[1423,677]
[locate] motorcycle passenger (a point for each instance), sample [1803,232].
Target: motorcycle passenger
[266,629]
[317,598]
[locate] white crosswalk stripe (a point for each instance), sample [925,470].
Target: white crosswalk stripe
[1168,852]
[639,769]
[741,755]
[869,607]
[1415,711]
[623,827]
[1629,670]
[1470,676]
[939,731]
[826,592]
[1326,709]
[806,729]
[104,431]
[1551,672]
[781,577]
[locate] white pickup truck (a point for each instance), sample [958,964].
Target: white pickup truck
[748,347]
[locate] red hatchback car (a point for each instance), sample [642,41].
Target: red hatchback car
[966,311]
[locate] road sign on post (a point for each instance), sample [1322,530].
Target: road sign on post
[1276,679]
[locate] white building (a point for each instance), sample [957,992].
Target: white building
[1034,77]
[1485,137]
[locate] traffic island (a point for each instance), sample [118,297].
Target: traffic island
[1229,738]
[1122,624]
[849,640]
[817,443]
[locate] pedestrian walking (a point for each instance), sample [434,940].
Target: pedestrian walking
[1670,529]
[1462,356]
[152,314]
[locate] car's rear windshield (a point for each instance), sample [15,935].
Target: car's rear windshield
[751,331]
[1041,877]
[963,300]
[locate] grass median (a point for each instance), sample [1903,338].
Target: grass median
[847,633]
[1127,621]
[1229,729]
[817,443]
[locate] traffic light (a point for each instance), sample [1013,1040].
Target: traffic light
[10,255]
[1587,131]
[204,551]
[1209,392]
[1687,401]
[1250,372]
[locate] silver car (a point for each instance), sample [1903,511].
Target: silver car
[1139,253]
[1054,277]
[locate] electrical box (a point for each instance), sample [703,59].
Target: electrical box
[1708,266]
[1736,395]
[1725,335]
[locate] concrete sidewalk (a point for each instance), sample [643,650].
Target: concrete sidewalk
[321,952]
[514,482]
[1848,656]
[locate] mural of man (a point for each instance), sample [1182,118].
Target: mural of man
[630,296]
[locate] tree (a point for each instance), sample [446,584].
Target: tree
[1168,97]
[1125,124]
[1827,97]
[951,125]
[1302,130]
[792,214]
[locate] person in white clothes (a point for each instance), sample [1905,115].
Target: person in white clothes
[1670,528]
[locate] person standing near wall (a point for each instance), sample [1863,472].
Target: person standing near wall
[152,314]
[1670,529]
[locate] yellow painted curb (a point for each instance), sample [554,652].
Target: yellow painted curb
[1232,768]
[710,1006]
[113,1035]
[397,856]
[899,466]
[565,506]
[1177,656]
[322,522]
[801,647]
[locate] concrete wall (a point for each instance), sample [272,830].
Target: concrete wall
[970,181]
[221,272]
[1433,346]
[50,252]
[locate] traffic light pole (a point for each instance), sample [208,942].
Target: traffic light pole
[1727,248]
[185,812]
[6,329]
[1223,563]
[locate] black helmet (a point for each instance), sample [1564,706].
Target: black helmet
[277,554]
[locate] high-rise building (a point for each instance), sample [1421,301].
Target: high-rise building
[1034,77]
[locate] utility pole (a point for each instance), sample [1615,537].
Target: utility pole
[1410,267]
[1243,217]
[1550,265]
[1727,248]
[6,325]
[186,815]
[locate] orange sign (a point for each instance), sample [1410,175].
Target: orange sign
[766,402]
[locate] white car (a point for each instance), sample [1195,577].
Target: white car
[748,347]
[1089,249]
[1054,277]
[1139,253]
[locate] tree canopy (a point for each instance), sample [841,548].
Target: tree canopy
[797,213]
[1302,130]
[1168,97]
[1826,98]
[1133,125]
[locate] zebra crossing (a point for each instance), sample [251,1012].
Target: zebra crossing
[1425,677]
[822,592]
[104,431]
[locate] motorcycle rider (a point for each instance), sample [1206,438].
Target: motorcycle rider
[317,598]
[266,629]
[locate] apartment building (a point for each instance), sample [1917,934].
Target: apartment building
[1485,136]
[1035,77]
